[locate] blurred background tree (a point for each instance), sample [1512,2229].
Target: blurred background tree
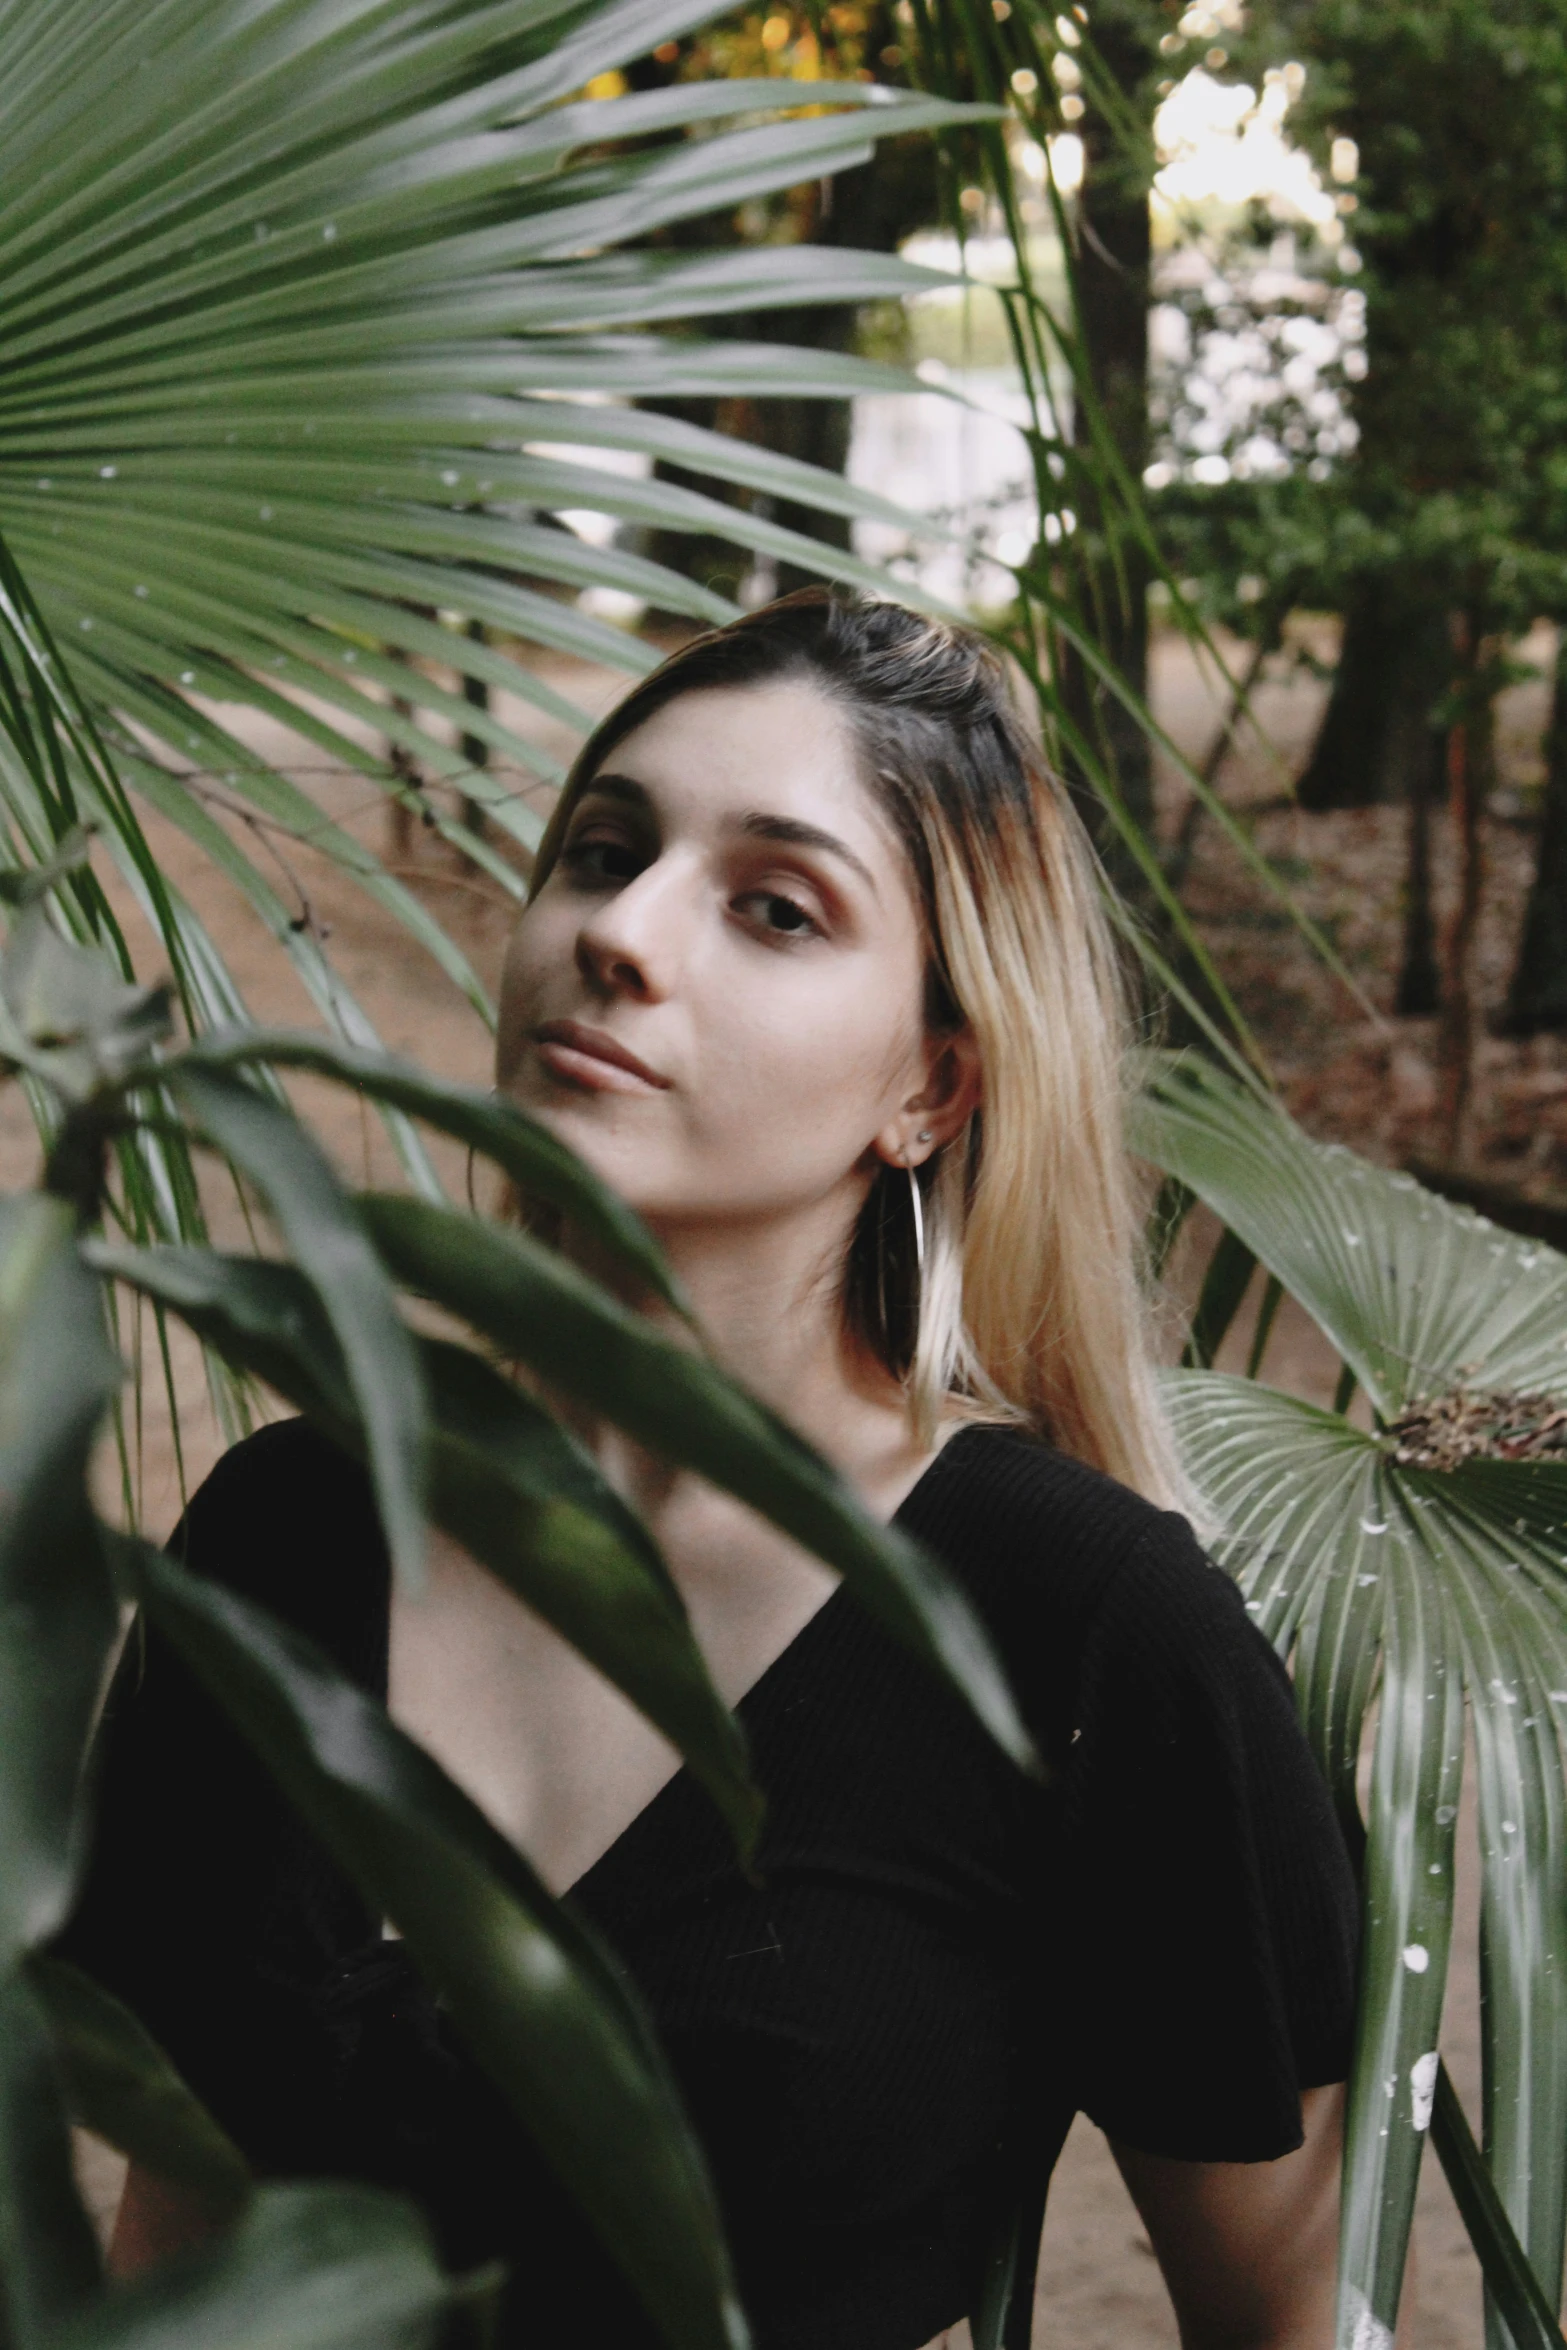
[1440,534]
[873,207]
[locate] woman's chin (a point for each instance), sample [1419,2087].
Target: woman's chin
[586,1123]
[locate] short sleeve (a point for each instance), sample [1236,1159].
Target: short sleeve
[207,1905]
[1213,1914]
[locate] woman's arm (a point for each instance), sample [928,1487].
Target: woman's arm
[1249,2250]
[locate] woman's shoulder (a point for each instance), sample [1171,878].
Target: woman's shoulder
[288,1520]
[1020,1519]
[285,1472]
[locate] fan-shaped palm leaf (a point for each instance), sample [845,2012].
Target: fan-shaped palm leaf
[309,323]
[1434,1546]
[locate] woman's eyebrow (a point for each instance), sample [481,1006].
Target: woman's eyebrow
[793,833]
[790,831]
[618,787]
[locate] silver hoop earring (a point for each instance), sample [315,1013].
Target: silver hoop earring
[919,1223]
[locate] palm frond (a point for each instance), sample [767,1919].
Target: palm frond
[1431,1551]
[293,330]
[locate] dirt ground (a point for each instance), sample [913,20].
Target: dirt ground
[1350,1071]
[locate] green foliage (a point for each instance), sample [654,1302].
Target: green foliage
[50,2271]
[321,2268]
[1455,488]
[527,1988]
[118,2083]
[1457,113]
[542,2007]
[309,322]
[57,1373]
[1437,1566]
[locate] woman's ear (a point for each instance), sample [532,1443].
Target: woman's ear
[942,1107]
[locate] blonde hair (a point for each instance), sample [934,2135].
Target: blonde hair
[1031,1309]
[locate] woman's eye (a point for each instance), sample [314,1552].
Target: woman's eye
[786,917]
[601,859]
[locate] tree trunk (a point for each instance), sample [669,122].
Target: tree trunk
[1347,767]
[1113,257]
[1537,998]
[1470,770]
[1419,985]
[817,432]
[1373,743]
[872,209]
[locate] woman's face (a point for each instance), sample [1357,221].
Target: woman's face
[732,912]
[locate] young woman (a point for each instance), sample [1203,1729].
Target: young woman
[814,973]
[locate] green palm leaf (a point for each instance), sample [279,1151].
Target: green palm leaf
[1420,1552]
[118,2082]
[546,1314]
[506,1482]
[518,1144]
[57,1374]
[541,2006]
[1417,1295]
[331,1248]
[299,304]
[49,2264]
[318,2267]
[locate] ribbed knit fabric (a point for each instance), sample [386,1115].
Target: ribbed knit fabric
[940,1964]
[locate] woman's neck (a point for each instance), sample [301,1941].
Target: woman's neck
[767,1299]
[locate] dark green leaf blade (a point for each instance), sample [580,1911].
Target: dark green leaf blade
[49,2264]
[1408,1928]
[676,1401]
[511,1488]
[507,1483]
[523,1981]
[1225,1283]
[119,2084]
[309,2267]
[323,1229]
[1513,1626]
[523,1149]
[1509,2279]
[57,1612]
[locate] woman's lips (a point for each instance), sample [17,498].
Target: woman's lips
[591,1058]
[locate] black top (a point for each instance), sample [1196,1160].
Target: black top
[940,1956]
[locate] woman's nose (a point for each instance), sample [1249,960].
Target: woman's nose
[628,945]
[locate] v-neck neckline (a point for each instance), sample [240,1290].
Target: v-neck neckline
[788,1656]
